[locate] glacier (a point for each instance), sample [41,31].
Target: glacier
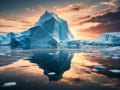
[48,31]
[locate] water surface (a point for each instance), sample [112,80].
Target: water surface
[60,69]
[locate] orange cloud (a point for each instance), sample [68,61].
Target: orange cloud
[73,11]
[12,25]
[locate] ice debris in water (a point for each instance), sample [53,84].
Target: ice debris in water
[95,70]
[9,84]
[115,71]
[51,73]
[51,53]
[115,57]
[98,68]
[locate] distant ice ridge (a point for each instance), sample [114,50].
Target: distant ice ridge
[48,31]
[105,39]
[109,38]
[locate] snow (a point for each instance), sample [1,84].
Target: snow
[49,31]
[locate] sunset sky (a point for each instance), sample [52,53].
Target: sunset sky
[87,19]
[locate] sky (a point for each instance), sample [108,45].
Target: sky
[87,19]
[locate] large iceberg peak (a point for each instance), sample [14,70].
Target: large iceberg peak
[49,30]
[56,27]
[47,16]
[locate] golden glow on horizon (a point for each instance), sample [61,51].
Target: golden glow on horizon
[18,27]
[75,27]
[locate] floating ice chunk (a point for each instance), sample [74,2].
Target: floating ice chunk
[115,71]
[115,57]
[98,68]
[51,73]
[51,53]
[9,84]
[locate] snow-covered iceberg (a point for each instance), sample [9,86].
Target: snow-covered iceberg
[48,31]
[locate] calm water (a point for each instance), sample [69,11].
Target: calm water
[87,68]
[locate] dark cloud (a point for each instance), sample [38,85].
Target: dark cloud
[118,9]
[75,81]
[109,22]
[108,17]
[72,7]
[103,16]
[76,7]
[104,11]
[87,18]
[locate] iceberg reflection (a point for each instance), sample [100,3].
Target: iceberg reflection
[53,63]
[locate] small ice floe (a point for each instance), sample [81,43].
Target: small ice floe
[115,57]
[51,53]
[51,73]
[2,54]
[115,71]
[9,84]
[98,68]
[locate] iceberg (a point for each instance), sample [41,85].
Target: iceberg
[112,38]
[115,71]
[2,37]
[54,65]
[105,39]
[48,31]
